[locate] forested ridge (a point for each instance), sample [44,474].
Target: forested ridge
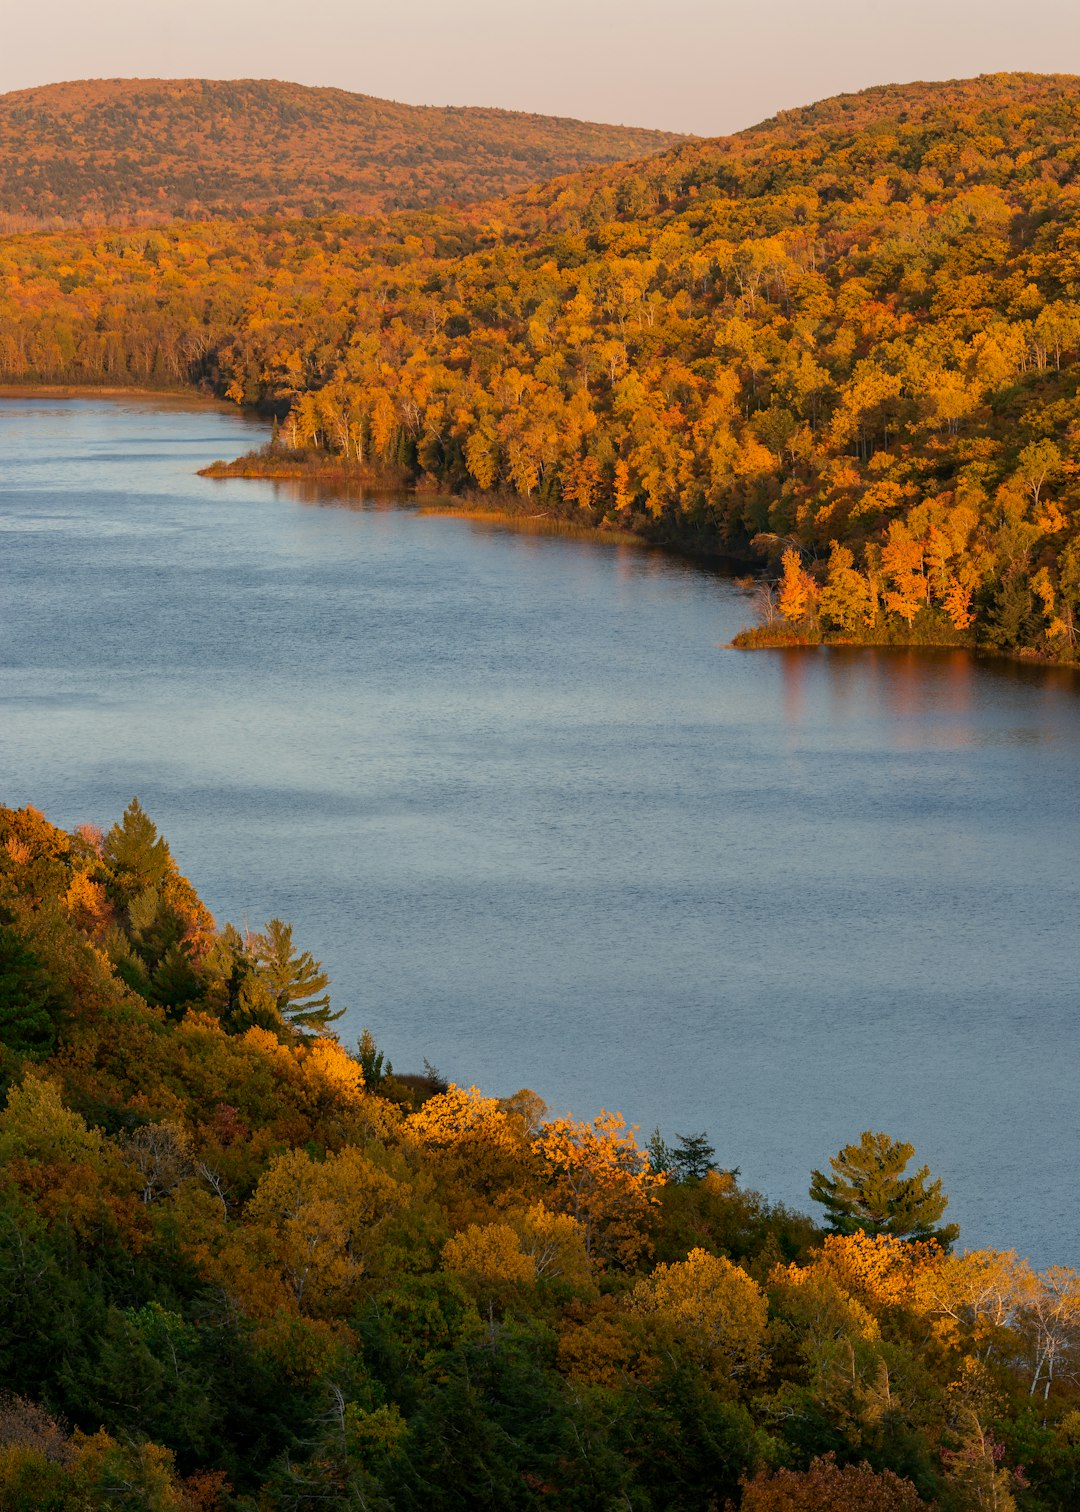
[144,151]
[244,1267]
[845,343]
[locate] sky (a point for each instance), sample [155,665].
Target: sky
[705,66]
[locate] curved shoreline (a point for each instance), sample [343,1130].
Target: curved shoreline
[504,511]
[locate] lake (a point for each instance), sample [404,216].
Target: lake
[544,829]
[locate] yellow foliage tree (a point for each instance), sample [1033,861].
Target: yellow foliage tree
[483,1150]
[902,563]
[979,1294]
[482,458]
[957,604]
[36,1126]
[879,1269]
[314,1225]
[489,1260]
[713,1312]
[599,1176]
[329,1065]
[797,592]
[555,1242]
[846,600]
[87,905]
[581,480]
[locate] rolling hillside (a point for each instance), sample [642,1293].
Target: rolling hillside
[148,151]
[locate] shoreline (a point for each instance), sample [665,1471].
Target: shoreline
[251,465]
[503,509]
[536,523]
[493,509]
[761,638]
[190,398]
[507,512]
[510,513]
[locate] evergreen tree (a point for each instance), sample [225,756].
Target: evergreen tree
[135,851]
[869,1191]
[29,1009]
[295,981]
[1010,620]
[692,1157]
[175,981]
[661,1156]
[375,1066]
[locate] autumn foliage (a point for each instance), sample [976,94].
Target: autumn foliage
[242,1267]
[145,151]
[237,1271]
[844,343]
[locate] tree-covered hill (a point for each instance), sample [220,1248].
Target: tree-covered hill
[845,343]
[144,151]
[245,1269]
[1003,128]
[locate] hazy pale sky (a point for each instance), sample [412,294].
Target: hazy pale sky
[707,66]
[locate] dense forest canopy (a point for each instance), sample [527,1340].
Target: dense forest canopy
[243,1267]
[146,151]
[846,342]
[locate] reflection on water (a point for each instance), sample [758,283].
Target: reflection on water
[543,828]
[950,691]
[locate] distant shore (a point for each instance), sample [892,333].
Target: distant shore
[513,513]
[184,398]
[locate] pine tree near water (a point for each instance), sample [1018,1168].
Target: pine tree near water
[693,1156]
[375,1066]
[689,1159]
[135,851]
[869,1192]
[294,979]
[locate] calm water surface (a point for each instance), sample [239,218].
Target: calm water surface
[544,830]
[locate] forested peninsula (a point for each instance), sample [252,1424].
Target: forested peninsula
[844,344]
[244,1268]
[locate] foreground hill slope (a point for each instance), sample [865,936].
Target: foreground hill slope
[153,150]
[242,1268]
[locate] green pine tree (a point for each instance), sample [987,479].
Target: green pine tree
[661,1156]
[137,854]
[692,1157]
[869,1191]
[175,982]
[294,980]
[375,1066]
[29,1008]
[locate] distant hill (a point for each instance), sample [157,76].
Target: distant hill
[147,151]
[929,138]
